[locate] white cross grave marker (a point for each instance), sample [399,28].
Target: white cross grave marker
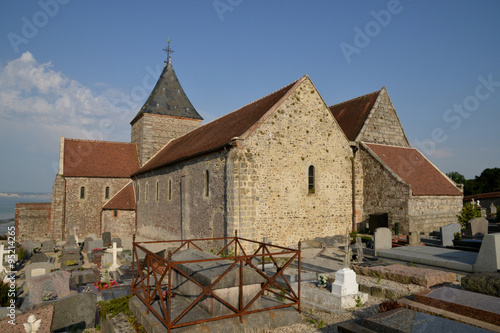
[115,251]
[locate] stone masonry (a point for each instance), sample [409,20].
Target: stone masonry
[34,217]
[122,225]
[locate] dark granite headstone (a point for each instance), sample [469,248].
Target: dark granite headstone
[117,240]
[106,238]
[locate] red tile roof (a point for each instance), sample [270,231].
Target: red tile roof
[415,169]
[216,134]
[491,195]
[351,115]
[123,200]
[104,159]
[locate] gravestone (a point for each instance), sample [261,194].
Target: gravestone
[106,238]
[86,243]
[39,257]
[37,269]
[48,246]
[55,282]
[71,243]
[79,278]
[493,208]
[488,259]
[118,241]
[478,226]
[28,245]
[382,239]
[414,238]
[106,260]
[359,250]
[95,244]
[448,233]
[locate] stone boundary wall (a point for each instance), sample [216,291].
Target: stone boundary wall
[32,221]
[429,213]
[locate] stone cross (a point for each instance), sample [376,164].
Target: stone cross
[347,258]
[359,249]
[115,251]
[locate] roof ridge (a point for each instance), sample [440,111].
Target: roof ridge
[380,144]
[355,98]
[100,141]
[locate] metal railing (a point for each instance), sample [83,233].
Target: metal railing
[152,279]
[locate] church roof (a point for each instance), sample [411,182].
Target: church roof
[123,200]
[217,134]
[168,98]
[103,159]
[414,169]
[351,115]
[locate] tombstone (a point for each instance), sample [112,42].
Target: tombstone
[448,233]
[79,278]
[106,238]
[414,238]
[55,282]
[95,244]
[488,259]
[483,212]
[106,260]
[86,243]
[71,243]
[359,250]
[37,269]
[493,209]
[39,257]
[478,226]
[114,260]
[48,246]
[28,245]
[118,242]
[345,290]
[382,239]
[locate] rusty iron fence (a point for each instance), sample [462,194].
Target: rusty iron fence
[152,278]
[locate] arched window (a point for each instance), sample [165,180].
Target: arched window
[169,189]
[138,190]
[82,192]
[157,191]
[106,192]
[146,194]
[310,177]
[207,183]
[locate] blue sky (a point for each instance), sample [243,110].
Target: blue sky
[82,69]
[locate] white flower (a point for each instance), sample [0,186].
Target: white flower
[32,325]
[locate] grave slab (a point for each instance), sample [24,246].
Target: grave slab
[406,321]
[478,306]
[56,282]
[39,257]
[488,259]
[37,269]
[45,313]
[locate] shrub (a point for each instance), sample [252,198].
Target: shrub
[469,212]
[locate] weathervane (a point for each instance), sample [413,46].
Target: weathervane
[168,50]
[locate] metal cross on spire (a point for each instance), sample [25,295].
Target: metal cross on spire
[168,50]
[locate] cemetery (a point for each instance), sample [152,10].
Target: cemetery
[380,282]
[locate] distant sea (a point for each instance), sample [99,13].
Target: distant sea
[8,204]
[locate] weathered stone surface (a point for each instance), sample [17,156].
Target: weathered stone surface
[39,257]
[37,268]
[28,245]
[403,274]
[488,259]
[48,246]
[55,282]
[32,220]
[487,283]
[448,233]
[383,239]
[478,226]
[45,313]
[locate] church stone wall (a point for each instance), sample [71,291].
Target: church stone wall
[57,208]
[382,125]
[121,225]
[85,214]
[187,212]
[270,199]
[429,213]
[32,221]
[383,193]
[151,132]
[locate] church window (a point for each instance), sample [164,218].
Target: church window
[146,192]
[157,191]
[115,213]
[106,192]
[82,192]
[311,175]
[169,189]
[207,183]
[138,192]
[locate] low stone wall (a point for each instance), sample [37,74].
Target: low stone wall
[32,221]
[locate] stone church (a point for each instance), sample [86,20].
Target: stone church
[283,168]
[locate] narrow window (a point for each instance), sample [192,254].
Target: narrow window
[311,179]
[207,183]
[146,193]
[82,192]
[169,189]
[115,213]
[138,192]
[106,193]
[157,191]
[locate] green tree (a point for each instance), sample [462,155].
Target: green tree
[456,177]
[469,212]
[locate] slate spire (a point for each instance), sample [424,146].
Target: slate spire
[168,98]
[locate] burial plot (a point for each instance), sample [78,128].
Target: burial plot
[56,283]
[448,233]
[206,273]
[478,306]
